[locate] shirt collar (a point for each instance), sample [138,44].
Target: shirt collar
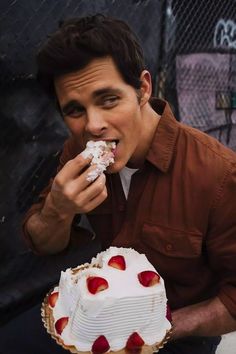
[162,148]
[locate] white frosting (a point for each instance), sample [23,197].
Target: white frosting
[125,307]
[102,154]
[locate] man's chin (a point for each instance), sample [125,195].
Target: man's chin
[114,168]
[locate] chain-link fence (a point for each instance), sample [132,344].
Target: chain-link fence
[190,49]
[25,23]
[198,65]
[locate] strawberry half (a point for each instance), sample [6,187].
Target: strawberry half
[100,345]
[96,284]
[61,324]
[52,299]
[117,262]
[148,278]
[134,342]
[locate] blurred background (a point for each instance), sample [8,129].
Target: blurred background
[190,49]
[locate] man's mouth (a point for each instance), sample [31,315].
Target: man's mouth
[102,153]
[113,150]
[110,143]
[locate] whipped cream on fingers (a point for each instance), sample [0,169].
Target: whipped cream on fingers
[102,153]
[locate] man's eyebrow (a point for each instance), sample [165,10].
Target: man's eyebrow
[69,105]
[106,90]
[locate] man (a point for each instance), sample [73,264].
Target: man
[180,183]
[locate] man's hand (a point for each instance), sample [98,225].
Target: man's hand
[208,318]
[72,193]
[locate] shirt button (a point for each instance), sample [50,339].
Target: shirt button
[169,247]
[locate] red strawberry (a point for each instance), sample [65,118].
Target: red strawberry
[168,313]
[52,299]
[61,324]
[148,278]
[100,345]
[117,262]
[134,341]
[96,284]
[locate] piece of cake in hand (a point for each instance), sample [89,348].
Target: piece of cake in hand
[102,153]
[117,302]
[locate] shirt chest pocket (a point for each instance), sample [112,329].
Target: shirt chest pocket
[171,242]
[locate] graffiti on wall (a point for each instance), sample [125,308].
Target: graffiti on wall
[225,34]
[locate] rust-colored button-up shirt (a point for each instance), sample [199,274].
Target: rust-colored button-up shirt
[180,212]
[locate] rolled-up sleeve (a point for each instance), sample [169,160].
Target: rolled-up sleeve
[221,238]
[34,209]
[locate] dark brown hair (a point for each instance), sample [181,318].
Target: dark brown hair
[78,41]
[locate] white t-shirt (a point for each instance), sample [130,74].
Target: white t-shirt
[125,176]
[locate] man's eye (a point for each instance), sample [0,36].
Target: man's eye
[110,101]
[74,112]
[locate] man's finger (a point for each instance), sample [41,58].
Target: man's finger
[94,195]
[71,170]
[83,188]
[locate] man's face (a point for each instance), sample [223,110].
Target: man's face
[98,105]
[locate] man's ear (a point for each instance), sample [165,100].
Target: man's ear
[146,87]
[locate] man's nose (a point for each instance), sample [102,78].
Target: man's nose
[96,123]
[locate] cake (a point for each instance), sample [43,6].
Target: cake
[102,153]
[116,302]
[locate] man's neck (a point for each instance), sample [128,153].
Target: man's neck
[150,122]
